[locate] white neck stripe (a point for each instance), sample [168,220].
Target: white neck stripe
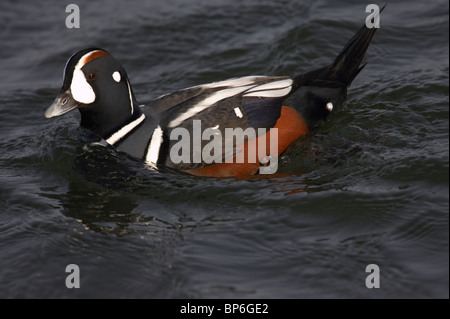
[125,130]
[131,97]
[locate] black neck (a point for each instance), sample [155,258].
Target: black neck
[104,124]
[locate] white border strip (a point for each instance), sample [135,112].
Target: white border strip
[125,130]
[155,145]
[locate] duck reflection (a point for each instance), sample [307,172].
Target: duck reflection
[105,192]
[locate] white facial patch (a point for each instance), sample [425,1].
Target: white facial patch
[329,106]
[81,90]
[116,76]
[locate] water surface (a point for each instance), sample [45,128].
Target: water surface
[369,187]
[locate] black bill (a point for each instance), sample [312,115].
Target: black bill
[62,104]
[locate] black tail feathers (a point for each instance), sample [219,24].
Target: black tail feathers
[320,87]
[347,64]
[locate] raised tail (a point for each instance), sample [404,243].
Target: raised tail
[324,90]
[347,64]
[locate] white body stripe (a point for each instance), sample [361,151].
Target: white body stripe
[272,89]
[272,85]
[125,130]
[155,144]
[238,112]
[230,83]
[271,93]
[210,100]
[234,82]
[233,87]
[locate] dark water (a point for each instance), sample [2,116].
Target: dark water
[369,187]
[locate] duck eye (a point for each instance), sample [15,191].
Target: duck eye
[91,76]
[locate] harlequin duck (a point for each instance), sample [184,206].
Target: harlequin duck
[98,86]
